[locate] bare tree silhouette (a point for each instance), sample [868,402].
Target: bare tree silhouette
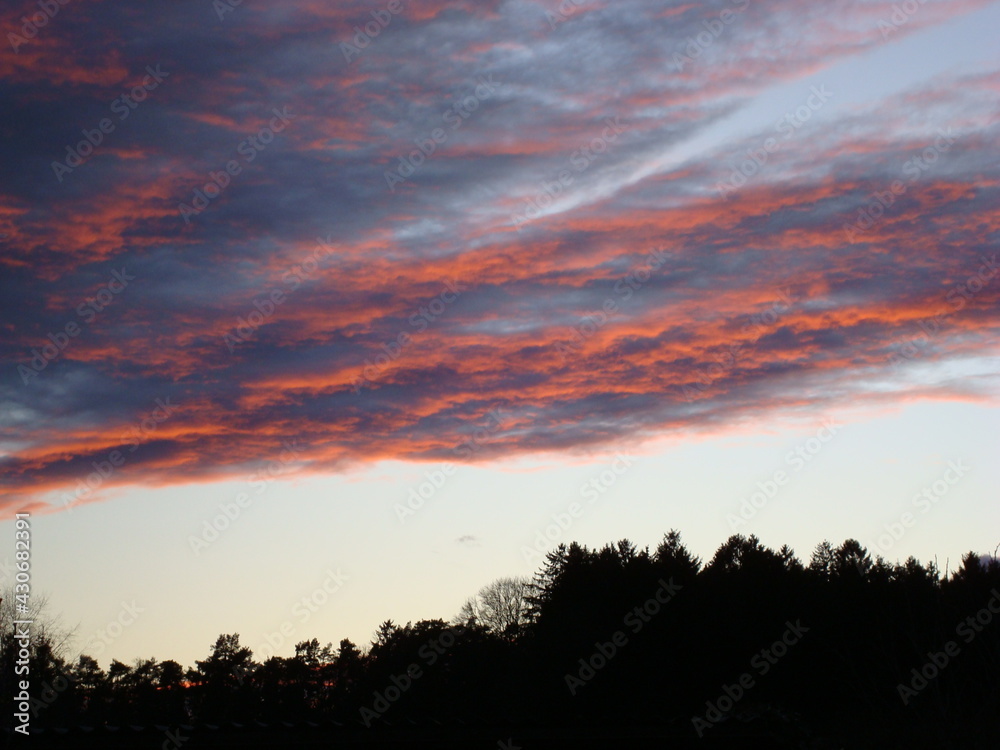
[500,606]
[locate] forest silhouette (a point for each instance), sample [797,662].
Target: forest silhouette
[615,646]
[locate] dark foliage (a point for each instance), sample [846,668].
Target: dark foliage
[620,637]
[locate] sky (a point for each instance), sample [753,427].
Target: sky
[314,315]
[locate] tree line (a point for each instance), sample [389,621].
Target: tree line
[753,642]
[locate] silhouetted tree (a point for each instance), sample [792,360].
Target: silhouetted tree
[647,637]
[501,606]
[223,679]
[675,559]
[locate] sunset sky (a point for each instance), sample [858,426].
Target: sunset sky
[367,304]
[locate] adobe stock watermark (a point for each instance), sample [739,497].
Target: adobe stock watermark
[302,611]
[87,311]
[923,501]
[753,329]
[454,117]
[222,7]
[116,458]
[797,458]
[883,200]
[787,126]
[49,9]
[260,480]
[437,478]
[249,148]
[635,620]
[592,491]
[172,738]
[268,304]
[21,640]
[391,350]
[429,654]
[957,297]
[968,630]
[900,16]
[714,27]
[104,637]
[50,692]
[761,663]
[624,288]
[580,160]
[364,36]
[563,12]
[122,106]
